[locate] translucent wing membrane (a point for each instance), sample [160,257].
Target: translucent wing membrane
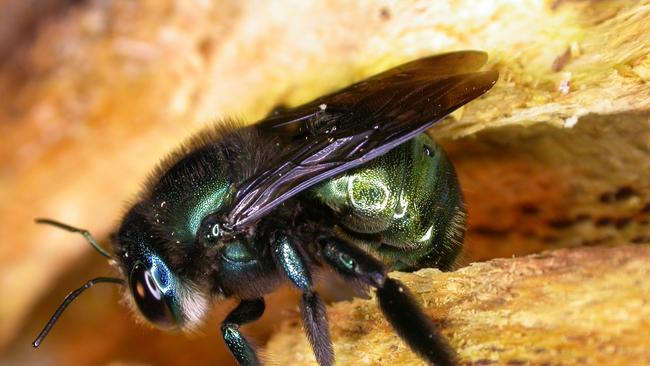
[423,69]
[345,129]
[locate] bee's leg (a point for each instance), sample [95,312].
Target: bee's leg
[313,310]
[246,312]
[396,301]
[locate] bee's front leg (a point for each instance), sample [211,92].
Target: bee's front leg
[247,311]
[292,263]
[396,301]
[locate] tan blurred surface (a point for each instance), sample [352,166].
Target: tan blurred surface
[93,93]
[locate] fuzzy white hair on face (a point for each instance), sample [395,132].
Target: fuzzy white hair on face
[194,305]
[192,301]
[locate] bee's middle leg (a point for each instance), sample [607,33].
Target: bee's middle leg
[293,264]
[395,300]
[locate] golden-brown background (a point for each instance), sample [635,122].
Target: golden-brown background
[93,93]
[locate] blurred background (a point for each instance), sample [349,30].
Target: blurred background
[94,92]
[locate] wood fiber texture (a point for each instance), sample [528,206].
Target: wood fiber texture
[583,306]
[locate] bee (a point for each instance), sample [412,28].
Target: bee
[349,182]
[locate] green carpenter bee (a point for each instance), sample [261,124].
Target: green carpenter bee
[349,182]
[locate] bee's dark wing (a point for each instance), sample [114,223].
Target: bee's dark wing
[424,69]
[347,128]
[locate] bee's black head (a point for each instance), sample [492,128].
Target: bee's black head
[168,248]
[164,296]
[160,245]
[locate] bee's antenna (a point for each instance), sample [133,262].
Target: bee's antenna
[73,229]
[68,299]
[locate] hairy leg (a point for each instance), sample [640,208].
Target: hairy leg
[292,263]
[395,300]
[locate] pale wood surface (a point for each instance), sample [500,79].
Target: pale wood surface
[587,306]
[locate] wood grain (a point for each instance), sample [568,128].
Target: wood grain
[585,306]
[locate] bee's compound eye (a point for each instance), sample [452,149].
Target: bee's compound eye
[150,298]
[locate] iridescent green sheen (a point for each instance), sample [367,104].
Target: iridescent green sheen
[236,251]
[184,207]
[405,206]
[206,202]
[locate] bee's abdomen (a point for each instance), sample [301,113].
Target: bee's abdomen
[405,206]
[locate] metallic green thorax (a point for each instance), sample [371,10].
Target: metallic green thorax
[405,206]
